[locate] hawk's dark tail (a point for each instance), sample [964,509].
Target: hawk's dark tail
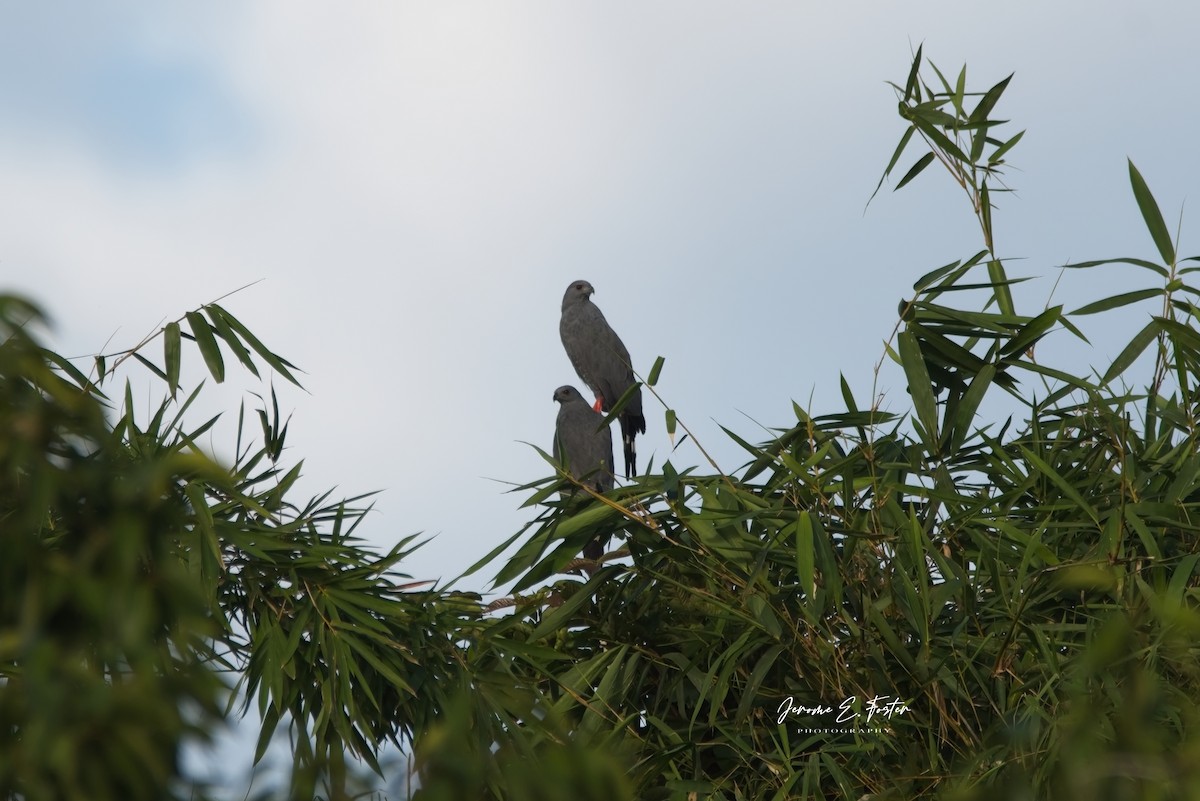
[594,549]
[632,424]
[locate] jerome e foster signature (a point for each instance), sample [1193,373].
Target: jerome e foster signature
[882,706]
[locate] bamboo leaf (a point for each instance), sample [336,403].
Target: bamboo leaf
[1117,301]
[622,402]
[926,280]
[149,365]
[1032,331]
[1151,214]
[1147,538]
[942,78]
[1064,486]
[654,371]
[913,362]
[1003,149]
[270,720]
[1157,269]
[1184,336]
[847,395]
[207,345]
[988,101]
[979,140]
[985,219]
[204,519]
[64,364]
[965,416]
[939,139]
[1061,375]
[945,352]
[911,87]
[960,90]
[171,355]
[564,615]
[1181,577]
[805,554]
[904,140]
[1134,349]
[276,362]
[915,170]
[999,279]
[227,334]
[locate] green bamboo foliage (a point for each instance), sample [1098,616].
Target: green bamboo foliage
[140,579]
[1025,587]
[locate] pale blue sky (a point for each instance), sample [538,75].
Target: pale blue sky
[418,182]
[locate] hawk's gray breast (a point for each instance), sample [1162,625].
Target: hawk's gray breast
[602,361]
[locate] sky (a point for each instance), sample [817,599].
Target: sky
[413,185]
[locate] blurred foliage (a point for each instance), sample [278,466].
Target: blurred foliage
[910,602]
[103,634]
[137,573]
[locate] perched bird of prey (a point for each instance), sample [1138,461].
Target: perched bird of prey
[584,447]
[602,361]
